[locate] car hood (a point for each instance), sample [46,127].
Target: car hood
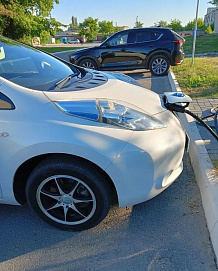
[113,89]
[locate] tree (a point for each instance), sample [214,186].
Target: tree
[209,30]
[191,25]
[89,28]
[105,28]
[44,37]
[117,29]
[25,18]
[161,24]
[214,2]
[138,24]
[176,25]
[74,24]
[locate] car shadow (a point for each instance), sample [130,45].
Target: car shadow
[158,84]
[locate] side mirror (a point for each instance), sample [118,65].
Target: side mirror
[108,45]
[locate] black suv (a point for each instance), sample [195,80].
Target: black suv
[153,48]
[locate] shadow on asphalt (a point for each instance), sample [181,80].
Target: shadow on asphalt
[155,235]
[158,84]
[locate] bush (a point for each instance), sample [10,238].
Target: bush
[26,39]
[209,30]
[44,37]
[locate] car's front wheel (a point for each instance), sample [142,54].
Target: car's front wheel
[159,65]
[68,194]
[88,63]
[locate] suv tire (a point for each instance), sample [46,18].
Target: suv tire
[159,65]
[88,64]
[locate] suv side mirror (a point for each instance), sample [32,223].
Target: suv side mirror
[108,45]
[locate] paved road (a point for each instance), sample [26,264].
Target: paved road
[166,233]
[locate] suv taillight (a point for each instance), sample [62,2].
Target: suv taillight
[178,41]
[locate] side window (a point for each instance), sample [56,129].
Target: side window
[155,35]
[5,103]
[120,38]
[144,36]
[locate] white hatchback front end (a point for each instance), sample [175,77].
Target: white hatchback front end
[71,137]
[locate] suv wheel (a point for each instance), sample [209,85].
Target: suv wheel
[159,65]
[88,64]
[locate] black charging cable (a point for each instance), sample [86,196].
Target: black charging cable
[182,109]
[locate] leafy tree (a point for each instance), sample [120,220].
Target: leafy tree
[105,28]
[175,24]
[209,30]
[117,29]
[89,28]
[27,18]
[74,24]
[214,2]
[191,25]
[138,24]
[44,36]
[162,24]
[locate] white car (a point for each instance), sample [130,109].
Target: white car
[74,140]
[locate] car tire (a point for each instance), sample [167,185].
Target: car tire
[88,64]
[68,194]
[159,65]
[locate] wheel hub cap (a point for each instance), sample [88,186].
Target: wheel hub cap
[66,199]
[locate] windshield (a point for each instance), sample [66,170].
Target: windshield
[28,67]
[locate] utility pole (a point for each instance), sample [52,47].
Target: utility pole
[195,33]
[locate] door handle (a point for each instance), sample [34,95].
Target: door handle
[123,50]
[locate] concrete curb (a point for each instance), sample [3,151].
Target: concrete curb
[204,171]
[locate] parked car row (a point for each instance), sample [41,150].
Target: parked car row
[74,140]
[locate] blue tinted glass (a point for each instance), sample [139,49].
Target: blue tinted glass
[29,67]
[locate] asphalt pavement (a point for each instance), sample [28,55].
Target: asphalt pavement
[203,146]
[167,233]
[203,149]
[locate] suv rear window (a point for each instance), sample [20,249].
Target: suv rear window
[145,36]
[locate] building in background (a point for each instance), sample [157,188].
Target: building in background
[212,18]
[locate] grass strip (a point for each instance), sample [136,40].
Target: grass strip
[204,44]
[199,80]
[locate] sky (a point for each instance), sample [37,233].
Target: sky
[126,12]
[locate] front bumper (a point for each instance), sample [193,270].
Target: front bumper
[149,162]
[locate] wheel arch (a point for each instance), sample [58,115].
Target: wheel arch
[159,52]
[24,170]
[93,58]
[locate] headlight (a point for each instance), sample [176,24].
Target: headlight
[111,112]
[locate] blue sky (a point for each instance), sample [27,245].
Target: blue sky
[124,12]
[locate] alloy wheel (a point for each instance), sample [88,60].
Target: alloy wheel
[66,199]
[159,66]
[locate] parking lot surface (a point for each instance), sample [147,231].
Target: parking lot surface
[166,233]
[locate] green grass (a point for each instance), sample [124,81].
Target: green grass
[199,80]
[215,164]
[57,49]
[204,44]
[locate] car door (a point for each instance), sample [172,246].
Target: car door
[114,53]
[129,49]
[141,43]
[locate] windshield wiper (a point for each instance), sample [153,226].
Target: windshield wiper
[60,84]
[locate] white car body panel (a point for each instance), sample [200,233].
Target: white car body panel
[117,90]
[123,154]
